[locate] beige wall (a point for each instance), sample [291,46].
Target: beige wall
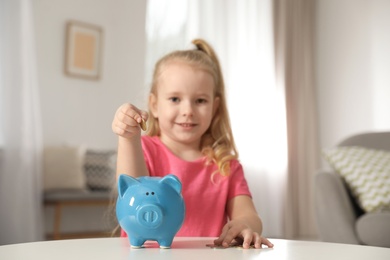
[353,57]
[77,111]
[352,62]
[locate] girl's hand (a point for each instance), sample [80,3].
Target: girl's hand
[237,231]
[127,121]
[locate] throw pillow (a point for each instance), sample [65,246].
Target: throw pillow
[63,167]
[366,173]
[100,168]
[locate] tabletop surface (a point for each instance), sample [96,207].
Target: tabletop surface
[187,249]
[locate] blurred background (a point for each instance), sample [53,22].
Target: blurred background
[301,75]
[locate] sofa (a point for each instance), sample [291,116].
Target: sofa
[343,215]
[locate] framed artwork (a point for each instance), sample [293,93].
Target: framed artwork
[83,53]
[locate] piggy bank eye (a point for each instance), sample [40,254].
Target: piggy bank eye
[152,193]
[147,193]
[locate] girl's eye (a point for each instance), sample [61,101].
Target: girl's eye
[174,99]
[201,101]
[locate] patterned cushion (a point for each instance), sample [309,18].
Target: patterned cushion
[99,167]
[366,172]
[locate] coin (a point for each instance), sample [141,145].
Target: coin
[143,125]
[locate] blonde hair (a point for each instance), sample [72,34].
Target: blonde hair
[217,143]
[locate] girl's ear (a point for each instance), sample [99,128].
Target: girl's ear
[216,105]
[153,104]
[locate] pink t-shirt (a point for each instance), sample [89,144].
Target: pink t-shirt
[205,198]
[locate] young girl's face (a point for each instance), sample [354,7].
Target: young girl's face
[184,104]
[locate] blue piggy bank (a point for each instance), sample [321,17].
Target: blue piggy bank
[150,208]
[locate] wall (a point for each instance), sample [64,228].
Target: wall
[353,57]
[381,63]
[78,111]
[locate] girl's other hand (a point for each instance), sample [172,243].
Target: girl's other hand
[127,121]
[237,232]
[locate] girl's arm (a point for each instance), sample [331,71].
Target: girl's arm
[244,224]
[130,158]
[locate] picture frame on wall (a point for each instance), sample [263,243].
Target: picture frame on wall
[83,53]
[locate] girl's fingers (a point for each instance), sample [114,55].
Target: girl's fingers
[229,234]
[266,242]
[248,237]
[128,113]
[128,119]
[144,115]
[245,236]
[131,115]
[257,240]
[221,238]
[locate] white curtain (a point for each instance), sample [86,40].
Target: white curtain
[242,35]
[21,140]
[294,48]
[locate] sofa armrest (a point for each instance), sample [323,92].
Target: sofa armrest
[335,213]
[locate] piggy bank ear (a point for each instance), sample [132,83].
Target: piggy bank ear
[124,182]
[172,181]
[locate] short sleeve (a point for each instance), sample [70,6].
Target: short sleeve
[237,181]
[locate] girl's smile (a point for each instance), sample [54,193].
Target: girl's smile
[187,125]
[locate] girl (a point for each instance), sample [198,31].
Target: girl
[189,135]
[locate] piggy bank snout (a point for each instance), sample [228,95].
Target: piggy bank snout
[150,216]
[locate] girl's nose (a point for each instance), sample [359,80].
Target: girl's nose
[187,109]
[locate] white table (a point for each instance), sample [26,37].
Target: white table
[187,249]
